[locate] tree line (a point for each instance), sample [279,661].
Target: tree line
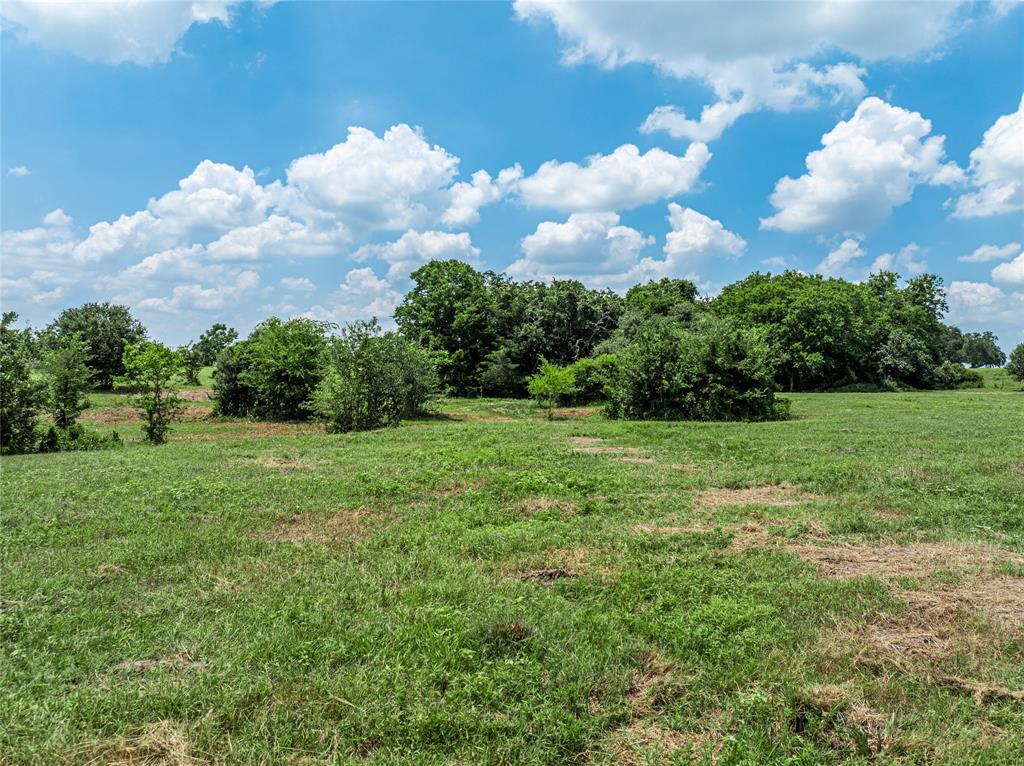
[659,351]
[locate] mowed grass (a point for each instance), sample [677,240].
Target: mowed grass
[489,587]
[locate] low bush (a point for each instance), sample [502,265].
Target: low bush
[371,379]
[272,374]
[76,438]
[954,375]
[552,385]
[712,370]
[591,375]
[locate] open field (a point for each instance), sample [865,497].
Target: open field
[488,587]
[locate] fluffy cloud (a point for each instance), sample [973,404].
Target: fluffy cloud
[298,284]
[414,248]
[182,250]
[907,261]
[844,261]
[19,171]
[388,183]
[868,165]
[622,180]
[839,262]
[137,32]
[1011,272]
[196,296]
[997,170]
[362,295]
[979,303]
[985,253]
[589,246]
[596,249]
[468,197]
[751,55]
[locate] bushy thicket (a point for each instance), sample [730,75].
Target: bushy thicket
[709,369]
[489,333]
[371,378]
[271,374]
[43,374]
[1015,364]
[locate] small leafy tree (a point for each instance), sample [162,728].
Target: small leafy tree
[151,371]
[550,385]
[372,379]
[1015,366]
[67,376]
[281,365]
[108,329]
[191,363]
[213,341]
[591,375]
[21,396]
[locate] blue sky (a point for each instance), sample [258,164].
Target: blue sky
[222,162]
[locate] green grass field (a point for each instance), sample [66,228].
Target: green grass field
[489,587]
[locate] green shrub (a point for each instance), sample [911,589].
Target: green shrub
[372,379]
[551,385]
[151,372]
[213,341]
[21,396]
[591,375]
[282,366]
[67,376]
[76,438]
[952,375]
[191,363]
[1015,365]
[271,374]
[231,395]
[500,376]
[711,370]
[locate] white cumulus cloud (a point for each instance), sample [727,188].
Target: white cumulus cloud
[414,248]
[1011,272]
[622,180]
[867,166]
[984,253]
[753,55]
[996,170]
[19,171]
[130,31]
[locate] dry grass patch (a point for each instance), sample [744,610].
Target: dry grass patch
[749,534]
[849,725]
[591,445]
[179,661]
[898,561]
[765,494]
[572,413]
[321,528]
[195,395]
[534,505]
[635,459]
[455,489]
[560,563]
[157,744]
[646,743]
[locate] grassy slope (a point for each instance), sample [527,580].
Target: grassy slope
[402,634]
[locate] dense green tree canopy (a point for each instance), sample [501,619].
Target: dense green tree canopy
[108,329]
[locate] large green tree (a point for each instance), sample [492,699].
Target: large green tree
[21,394]
[107,329]
[449,312]
[212,342]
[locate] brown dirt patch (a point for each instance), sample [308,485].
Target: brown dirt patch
[635,459]
[766,494]
[110,415]
[534,505]
[179,661]
[195,395]
[320,528]
[157,744]
[572,413]
[646,692]
[1018,467]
